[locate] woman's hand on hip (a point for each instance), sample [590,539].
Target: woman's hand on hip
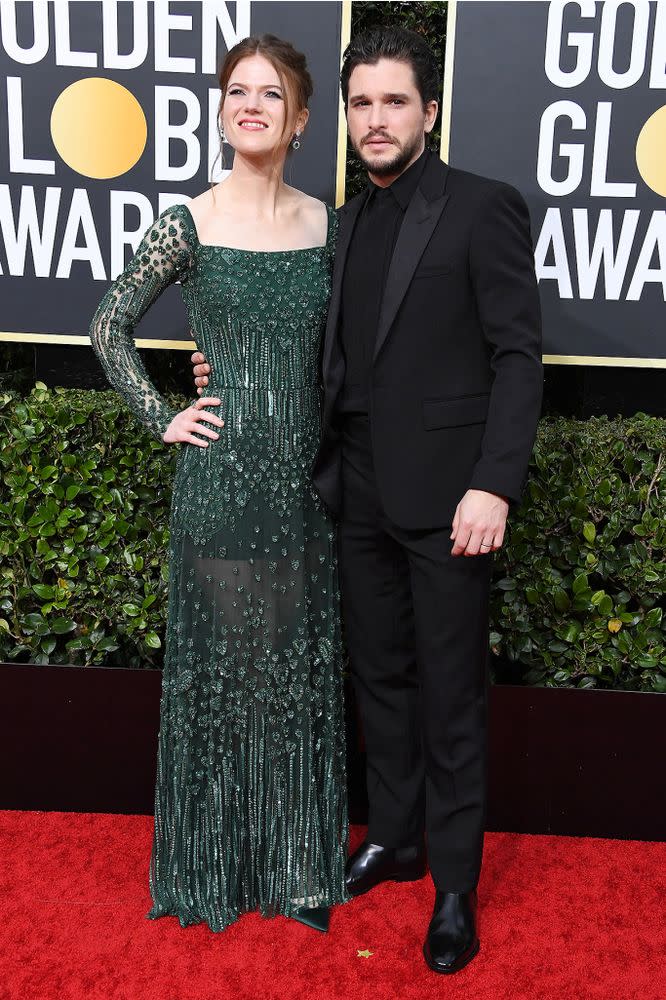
[184,425]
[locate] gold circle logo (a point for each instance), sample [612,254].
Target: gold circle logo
[98,128]
[651,152]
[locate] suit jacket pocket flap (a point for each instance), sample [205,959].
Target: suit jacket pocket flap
[455,412]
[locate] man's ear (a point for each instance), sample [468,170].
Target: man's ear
[431,110]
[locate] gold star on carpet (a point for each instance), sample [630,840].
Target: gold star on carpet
[364,954]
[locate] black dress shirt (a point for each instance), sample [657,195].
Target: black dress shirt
[368,260]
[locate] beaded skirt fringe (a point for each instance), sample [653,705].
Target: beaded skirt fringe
[265,835]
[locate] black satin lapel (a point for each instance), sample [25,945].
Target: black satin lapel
[417,227]
[345,230]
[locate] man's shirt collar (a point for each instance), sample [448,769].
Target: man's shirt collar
[404,186]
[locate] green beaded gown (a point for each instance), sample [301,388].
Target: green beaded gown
[250,800]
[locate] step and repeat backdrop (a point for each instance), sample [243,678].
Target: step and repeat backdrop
[567,101]
[108,115]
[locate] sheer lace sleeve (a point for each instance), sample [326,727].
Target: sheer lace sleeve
[163,256]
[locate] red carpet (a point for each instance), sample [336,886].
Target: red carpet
[560,919]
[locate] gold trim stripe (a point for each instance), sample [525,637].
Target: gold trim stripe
[66,338]
[568,359]
[447,94]
[341,167]
[189,345]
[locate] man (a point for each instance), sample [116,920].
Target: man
[432,391]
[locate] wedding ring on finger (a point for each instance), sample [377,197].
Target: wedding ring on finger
[485,545]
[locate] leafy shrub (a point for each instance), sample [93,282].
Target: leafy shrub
[580,591]
[83,531]
[579,588]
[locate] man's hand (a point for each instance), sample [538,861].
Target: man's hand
[479,523]
[201,371]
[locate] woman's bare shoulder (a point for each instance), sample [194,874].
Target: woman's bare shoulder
[203,203]
[306,203]
[312,214]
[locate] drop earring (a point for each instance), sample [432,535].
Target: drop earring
[296,143]
[220,129]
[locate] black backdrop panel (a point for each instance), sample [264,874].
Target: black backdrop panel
[552,97]
[171,94]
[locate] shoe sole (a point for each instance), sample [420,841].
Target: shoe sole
[456,968]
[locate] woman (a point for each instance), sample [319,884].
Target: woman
[250,807]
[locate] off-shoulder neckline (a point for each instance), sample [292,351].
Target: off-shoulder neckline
[218,246]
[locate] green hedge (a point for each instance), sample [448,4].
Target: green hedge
[581,588]
[83,531]
[578,594]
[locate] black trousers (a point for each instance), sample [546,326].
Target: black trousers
[416,624]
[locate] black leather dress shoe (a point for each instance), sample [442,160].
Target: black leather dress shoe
[452,942]
[370,865]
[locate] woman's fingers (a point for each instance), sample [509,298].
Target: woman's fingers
[190,425]
[198,413]
[199,428]
[188,438]
[211,418]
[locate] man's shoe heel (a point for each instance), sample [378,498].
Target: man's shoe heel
[414,876]
[411,874]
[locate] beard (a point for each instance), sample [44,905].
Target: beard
[400,159]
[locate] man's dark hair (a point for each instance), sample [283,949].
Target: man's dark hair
[393,43]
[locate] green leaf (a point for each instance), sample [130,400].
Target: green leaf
[589,531]
[653,618]
[132,610]
[62,625]
[152,640]
[107,645]
[572,632]
[606,606]
[561,600]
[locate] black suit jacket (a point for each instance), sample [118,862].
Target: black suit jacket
[457,378]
